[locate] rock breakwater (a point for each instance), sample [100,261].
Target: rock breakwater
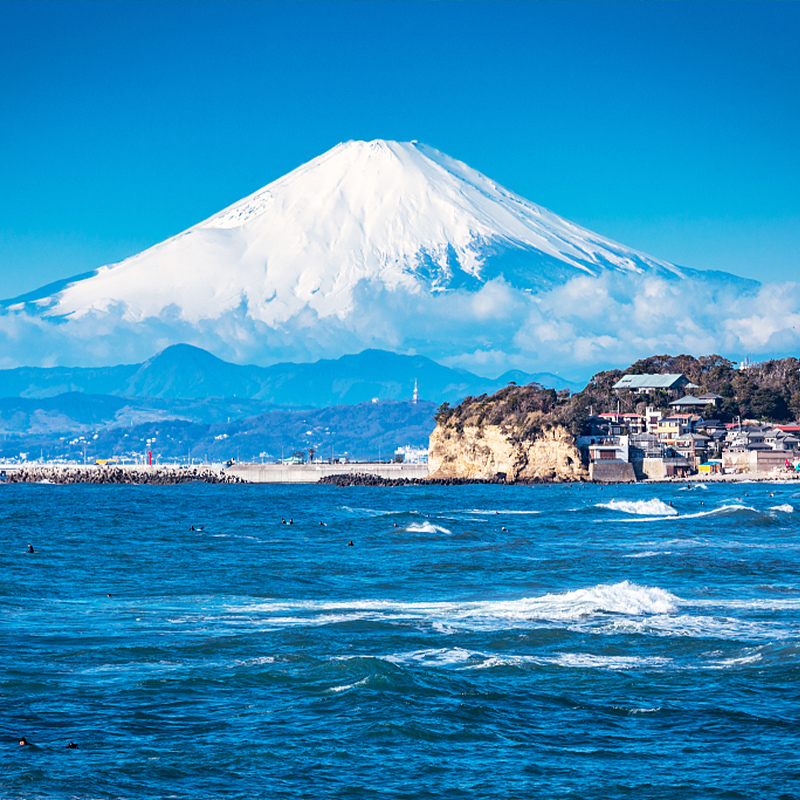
[159,475]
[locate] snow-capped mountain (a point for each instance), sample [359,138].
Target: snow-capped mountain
[372,244]
[397,213]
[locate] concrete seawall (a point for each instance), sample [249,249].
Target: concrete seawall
[169,474]
[312,473]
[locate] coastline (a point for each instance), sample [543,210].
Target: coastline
[771,476]
[164,475]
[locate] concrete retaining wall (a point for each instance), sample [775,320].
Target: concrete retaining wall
[611,472]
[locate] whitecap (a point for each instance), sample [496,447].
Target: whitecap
[650,508]
[255,662]
[623,598]
[740,661]
[589,661]
[463,659]
[720,511]
[436,657]
[346,687]
[785,507]
[700,627]
[426,527]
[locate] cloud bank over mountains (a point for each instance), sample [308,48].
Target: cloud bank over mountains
[399,247]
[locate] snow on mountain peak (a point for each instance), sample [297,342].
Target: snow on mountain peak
[399,213]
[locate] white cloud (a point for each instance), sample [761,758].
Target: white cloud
[574,329]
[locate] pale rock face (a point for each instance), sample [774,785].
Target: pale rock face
[484,452]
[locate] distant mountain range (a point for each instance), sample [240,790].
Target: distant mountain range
[184,372]
[189,403]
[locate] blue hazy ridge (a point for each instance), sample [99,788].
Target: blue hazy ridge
[601,646]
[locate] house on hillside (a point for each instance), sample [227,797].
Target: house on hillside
[645,384]
[694,447]
[780,439]
[674,426]
[689,403]
[713,398]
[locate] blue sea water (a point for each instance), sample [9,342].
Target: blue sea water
[491,641]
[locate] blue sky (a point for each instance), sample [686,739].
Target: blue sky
[671,127]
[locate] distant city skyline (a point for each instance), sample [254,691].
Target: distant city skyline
[670,127]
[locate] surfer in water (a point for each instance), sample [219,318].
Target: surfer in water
[23,742]
[30,548]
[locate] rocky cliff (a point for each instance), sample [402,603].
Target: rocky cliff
[516,434]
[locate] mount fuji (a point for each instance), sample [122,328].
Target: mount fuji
[377,244]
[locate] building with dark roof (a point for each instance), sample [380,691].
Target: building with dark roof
[644,384]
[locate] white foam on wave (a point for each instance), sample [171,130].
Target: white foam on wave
[433,657]
[426,527]
[719,511]
[648,554]
[589,661]
[650,508]
[255,662]
[346,687]
[732,663]
[642,710]
[463,659]
[701,627]
[375,512]
[576,606]
[767,604]
[784,507]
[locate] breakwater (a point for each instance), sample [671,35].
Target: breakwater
[139,474]
[367,479]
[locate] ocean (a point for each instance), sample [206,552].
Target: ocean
[488,641]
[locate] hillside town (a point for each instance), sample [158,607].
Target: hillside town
[684,440]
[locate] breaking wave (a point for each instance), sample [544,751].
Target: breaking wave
[625,598]
[426,527]
[648,508]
